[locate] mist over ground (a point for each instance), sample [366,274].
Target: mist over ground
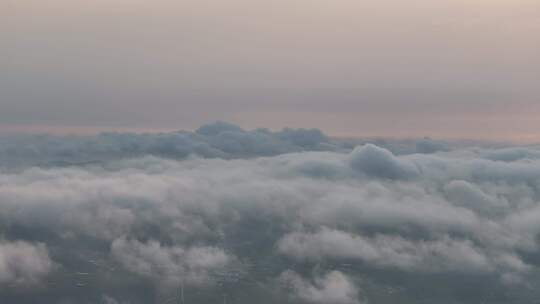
[225,215]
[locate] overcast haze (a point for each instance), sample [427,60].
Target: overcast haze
[449,68]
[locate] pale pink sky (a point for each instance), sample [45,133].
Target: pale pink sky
[445,68]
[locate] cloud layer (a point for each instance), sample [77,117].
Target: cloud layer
[215,140]
[343,226]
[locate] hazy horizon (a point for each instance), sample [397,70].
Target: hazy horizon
[81,131]
[446,69]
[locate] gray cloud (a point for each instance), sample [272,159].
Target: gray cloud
[217,140]
[465,194]
[377,162]
[512,154]
[428,145]
[232,225]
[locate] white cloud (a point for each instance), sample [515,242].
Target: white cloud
[332,288]
[23,263]
[441,255]
[169,264]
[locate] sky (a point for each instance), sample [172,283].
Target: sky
[445,69]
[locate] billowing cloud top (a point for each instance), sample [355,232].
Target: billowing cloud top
[215,140]
[227,215]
